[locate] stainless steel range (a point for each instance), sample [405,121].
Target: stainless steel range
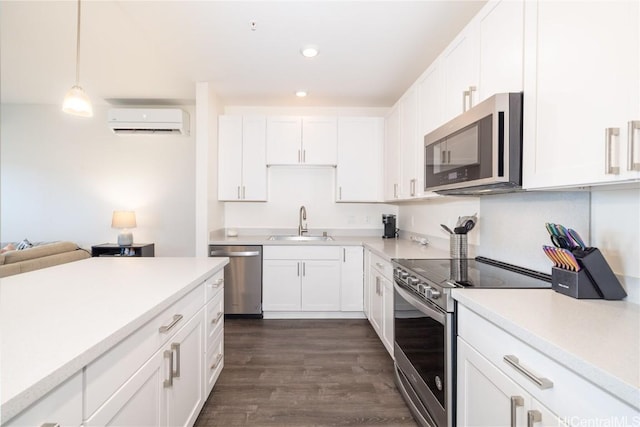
[425,326]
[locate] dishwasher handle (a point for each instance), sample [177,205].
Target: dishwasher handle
[234,254]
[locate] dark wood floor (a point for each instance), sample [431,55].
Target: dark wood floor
[304,373]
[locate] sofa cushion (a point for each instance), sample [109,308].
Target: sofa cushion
[39,251]
[52,260]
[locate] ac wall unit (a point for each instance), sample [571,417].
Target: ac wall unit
[148,121]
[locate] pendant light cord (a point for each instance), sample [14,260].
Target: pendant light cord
[78,48]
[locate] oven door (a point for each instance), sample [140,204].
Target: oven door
[423,351]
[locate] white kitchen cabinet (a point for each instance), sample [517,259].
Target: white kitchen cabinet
[409,147]
[62,405]
[242,167]
[392,155]
[381,300]
[430,100]
[460,65]
[486,381]
[359,173]
[301,278]
[581,92]
[487,397]
[293,140]
[501,31]
[352,279]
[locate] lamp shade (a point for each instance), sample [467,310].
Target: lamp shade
[77,102]
[123,219]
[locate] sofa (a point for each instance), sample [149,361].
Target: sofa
[41,256]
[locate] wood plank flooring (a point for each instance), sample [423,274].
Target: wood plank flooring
[304,373]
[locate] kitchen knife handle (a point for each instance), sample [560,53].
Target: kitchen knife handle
[632,165]
[515,402]
[609,133]
[542,383]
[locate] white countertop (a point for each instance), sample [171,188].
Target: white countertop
[597,339]
[386,248]
[57,320]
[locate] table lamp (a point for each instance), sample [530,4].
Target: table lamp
[124,220]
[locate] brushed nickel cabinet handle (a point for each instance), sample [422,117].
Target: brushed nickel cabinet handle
[217,362]
[515,402]
[50,425]
[244,196]
[609,133]
[304,269]
[340,193]
[471,90]
[541,382]
[395,191]
[217,318]
[174,322]
[465,94]
[217,283]
[238,192]
[304,156]
[176,347]
[344,255]
[533,417]
[169,382]
[377,285]
[298,269]
[632,165]
[299,157]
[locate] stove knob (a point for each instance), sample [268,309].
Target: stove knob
[403,274]
[432,293]
[412,281]
[422,288]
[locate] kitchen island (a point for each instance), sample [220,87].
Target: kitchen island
[56,321]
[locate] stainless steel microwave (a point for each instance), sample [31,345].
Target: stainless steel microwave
[479,151]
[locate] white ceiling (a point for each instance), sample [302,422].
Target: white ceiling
[153,51]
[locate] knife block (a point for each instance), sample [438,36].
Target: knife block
[595,280]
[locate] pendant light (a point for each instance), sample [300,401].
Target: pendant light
[76,101]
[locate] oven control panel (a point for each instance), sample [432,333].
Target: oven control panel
[425,290]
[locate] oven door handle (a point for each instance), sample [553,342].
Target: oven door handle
[424,308]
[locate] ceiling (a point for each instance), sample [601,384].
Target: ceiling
[137,52]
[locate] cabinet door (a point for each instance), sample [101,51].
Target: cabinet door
[281,285]
[139,402]
[408,144]
[392,155]
[62,405]
[320,285]
[254,159]
[430,99]
[460,62]
[366,304]
[319,141]
[351,283]
[229,157]
[284,140]
[581,79]
[501,33]
[387,314]
[185,397]
[359,173]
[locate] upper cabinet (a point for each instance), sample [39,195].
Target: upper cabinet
[409,145]
[359,171]
[302,140]
[242,168]
[581,93]
[392,155]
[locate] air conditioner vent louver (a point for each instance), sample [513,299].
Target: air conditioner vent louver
[148,121]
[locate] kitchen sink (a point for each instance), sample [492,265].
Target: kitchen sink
[296,238]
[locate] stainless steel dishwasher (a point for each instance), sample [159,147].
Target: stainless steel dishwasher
[242,279]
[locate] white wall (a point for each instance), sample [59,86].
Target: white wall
[291,187]
[62,177]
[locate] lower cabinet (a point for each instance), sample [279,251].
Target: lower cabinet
[380,302]
[312,279]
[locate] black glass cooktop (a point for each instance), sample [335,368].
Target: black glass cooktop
[475,273]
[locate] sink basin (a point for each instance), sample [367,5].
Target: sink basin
[296,238]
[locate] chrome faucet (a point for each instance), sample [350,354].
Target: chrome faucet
[303,216]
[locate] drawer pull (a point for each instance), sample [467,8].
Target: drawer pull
[608,151]
[533,417]
[50,425]
[217,283]
[515,402]
[632,165]
[217,362]
[174,322]
[379,265]
[176,347]
[218,316]
[169,383]
[542,383]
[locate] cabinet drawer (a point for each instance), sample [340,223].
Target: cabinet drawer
[382,265]
[214,317]
[213,285]
[62,405]
[571,394]
[107,373]
[214,360]
[302,252]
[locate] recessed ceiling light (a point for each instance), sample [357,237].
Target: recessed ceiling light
[301,93]
[309,51]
